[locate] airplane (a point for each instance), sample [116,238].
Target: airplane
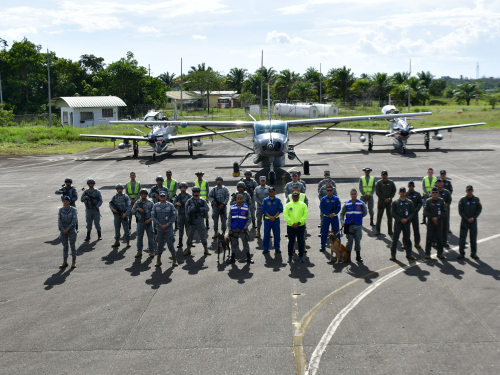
[160,136]
[271,142]
[400,130]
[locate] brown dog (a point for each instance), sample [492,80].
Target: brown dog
[223,244]
[341,253]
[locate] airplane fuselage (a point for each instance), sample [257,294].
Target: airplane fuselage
[270,142]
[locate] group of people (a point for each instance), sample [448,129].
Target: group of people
[168,207]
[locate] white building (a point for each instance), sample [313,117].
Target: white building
[84,111]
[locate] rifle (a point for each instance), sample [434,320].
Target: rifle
[147,218]
[92,201]
[194,213]
[120,212]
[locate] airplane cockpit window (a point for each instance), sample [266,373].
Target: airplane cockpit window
[279,128]
[266,128]
[262,129]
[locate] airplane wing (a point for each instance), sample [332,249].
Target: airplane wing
[337,120]
[364,131]
[185,124]
[116,136]
[200,135]
[437,128]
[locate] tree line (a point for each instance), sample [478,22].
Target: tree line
[23,70]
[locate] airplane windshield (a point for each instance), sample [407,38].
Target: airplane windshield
[266,128]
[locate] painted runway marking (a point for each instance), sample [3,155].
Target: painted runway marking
[321,347]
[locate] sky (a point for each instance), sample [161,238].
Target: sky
[447,38]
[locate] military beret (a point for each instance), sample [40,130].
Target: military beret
[442,171]
[162,193]
[384,172]
[402,188]
[295,194]
[262,178]
[367,169]
[469,187]
[435,189]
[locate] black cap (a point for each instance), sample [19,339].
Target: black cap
[402,188]
[439,179]
[169,172]
[469,187]
[295,194]
[367,169]
[384,172]
[435,189]
[442,171]
[411,183]
[271,188]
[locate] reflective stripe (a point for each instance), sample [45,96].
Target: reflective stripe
[265,217]
[136,189]
[203,188]
[367,188]
[172,185]
[329,215]
[238,217]
[428,186]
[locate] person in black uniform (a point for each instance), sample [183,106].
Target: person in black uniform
[402,212]
[435,210]
[469,208]
[416,198]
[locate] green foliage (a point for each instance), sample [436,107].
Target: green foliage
[437,87]
[466,92]
[362,89]
[246,98]
[303,91]
[419,90]
[168,80]
[236,78]
[437,102]
[7,118]
[493,100]
[400,77]
[382,85]
[284,83]
[426,78]
[448,93]
[339,82]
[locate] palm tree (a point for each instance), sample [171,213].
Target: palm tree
[426,78]
[400,77]
[252,84]
[362,88]
[466,91]
[382,85]
[340,81]
[303,90]
[268,75]
[284,82]
[168,80]
[236,78]
[201,68]
[421,93]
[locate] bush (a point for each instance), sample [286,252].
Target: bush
[7,118]
[437,102]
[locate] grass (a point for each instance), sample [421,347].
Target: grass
[39,140]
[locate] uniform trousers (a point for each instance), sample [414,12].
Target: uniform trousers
[71,238]
[163,236]
[415,223]
[275,227]
[406,229]
[465,227]
[182,223]
[199,227]
[434,231]
[119,222]
[237,233]
[93,215]
[381,207]
[298,232]
[355,234]
[325,228]
[148,228]
[222,214]
[252,210]
[259,216]
[370,203]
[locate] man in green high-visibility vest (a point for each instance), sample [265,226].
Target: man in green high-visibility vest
[427,185]
[366,187]
[132,190]
[203,185]
[172,186]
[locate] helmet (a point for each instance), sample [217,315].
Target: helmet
[68,180]
[119,186]
[183,184]
[144,191]
[240,184]
[196,189]
[160,178]
[219,178]
[248,172]
[90,181]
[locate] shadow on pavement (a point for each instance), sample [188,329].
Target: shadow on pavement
[240,274]
[137,267]
[483,268]
[193,267]
[159,278]
[58,278]
[300,271]
[54,242]
[115,255]
[276,263]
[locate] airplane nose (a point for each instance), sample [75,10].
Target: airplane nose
[270,146]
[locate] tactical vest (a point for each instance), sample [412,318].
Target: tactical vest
[131,194]
[203,188]
[239,216]
[428,187]
[171,187]
[367,188]
[302,197]
[354,212]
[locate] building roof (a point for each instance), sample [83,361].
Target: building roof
[186,95]
[88,101]
[221,93]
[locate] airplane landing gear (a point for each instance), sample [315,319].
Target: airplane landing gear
[426,140]
[306,167]
[136,149]
[190,147]
[154,155]
[403,148]
[370,142]
[236,169]
[272,177]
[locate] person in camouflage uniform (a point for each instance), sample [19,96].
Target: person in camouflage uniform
[259,194]
[240,189]
[218,198]
[67,220]
[164,216]
[289,186]
[250,185]
[142,210]
[155,191]
[120,206]
[196,209]
[300,180]
[180,204]
[402,212]
[92,199]
[69,191]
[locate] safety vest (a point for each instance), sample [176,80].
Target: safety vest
[203,188]
[171,187]
[302,197]
[136,189]
[428,186]
[367,188]
[354,212]
[239,216]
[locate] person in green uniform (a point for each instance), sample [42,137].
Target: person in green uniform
[469,208]
[446,195]
[435,210]
[402,212]
[133,188]
[416,199]
[385,190]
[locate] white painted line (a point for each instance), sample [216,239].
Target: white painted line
[325,340]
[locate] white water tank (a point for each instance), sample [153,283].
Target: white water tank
[255,110]
[296,110]
[327,110]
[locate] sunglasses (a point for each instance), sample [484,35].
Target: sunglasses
[435,192]
[329,189]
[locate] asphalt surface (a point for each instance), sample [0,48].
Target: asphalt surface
[115,314]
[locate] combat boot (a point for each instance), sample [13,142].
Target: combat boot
[216,234]
[372,224]
[116,244]
[158,261]
[99,237]
[232,259]
[179,246]
[322,249]
[174,261]
[207,252]
[410,257]
[187,252]
[152,254]
[139,254]
[253,224]
[128,242]
[249,258]
[88,236]
[418,246]
[73,264]
[258,233]
[358,257]
[65,263]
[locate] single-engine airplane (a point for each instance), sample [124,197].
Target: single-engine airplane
[400,130]
[159,137]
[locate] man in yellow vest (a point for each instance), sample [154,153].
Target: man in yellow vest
[172,186]
[133,188]
[427,185]
[296,213]
[366,186]
[204,188]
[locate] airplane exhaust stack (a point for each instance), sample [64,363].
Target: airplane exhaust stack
[437,137]
[362,139]
[197,143]
[121,146]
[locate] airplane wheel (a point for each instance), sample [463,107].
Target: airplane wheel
[370,147]
[154,156]
[306,167]
[404,150]
[427,145]
[236,170]
[136,153]
[191,151]
[272,178]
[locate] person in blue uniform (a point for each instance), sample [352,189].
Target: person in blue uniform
[330,207]
[271,209]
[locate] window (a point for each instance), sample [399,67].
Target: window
[65,117]
[279,127]
[86,116]
[107,112]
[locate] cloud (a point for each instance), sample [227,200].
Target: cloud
[293,9]
[276,37]
[149,30]
[201,37]
[18,33]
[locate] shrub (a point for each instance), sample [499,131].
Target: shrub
[7,118]
[437,102]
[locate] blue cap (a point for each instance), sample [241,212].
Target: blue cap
[66,198]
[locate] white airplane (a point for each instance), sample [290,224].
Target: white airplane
[400,130]
[160,136]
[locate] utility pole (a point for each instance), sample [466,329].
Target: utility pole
[409,88]
[181,87]
[261,87]
[1,97]
[48,74]
[149,70]
[320,93]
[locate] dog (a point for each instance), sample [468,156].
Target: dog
[341,253]
[223,244]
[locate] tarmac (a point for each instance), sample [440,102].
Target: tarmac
[115,314]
